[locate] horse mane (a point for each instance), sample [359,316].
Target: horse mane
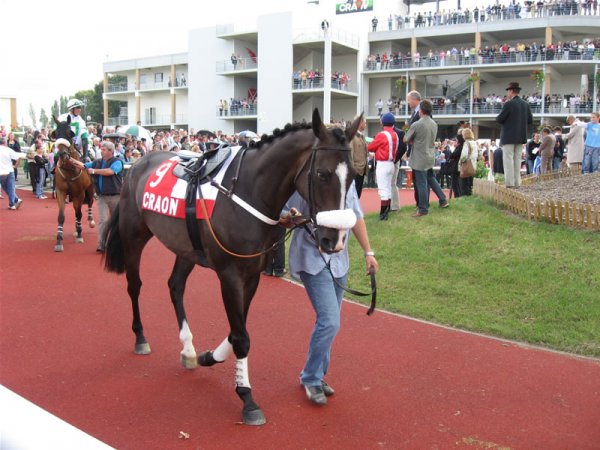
[292,128]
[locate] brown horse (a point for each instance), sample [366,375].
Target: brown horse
[313,160]
[70,180]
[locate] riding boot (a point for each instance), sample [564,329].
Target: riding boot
[385,209]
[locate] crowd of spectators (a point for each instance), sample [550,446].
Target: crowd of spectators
[568,103]
[490,13]
[237,107]
[516,52]
[313,78]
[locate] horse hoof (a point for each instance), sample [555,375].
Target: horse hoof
[142,349]
[58,248]
[92,224]
[79,240]
[254,417]
[206,359]
[189,362]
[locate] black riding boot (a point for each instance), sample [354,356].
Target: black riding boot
[385,209]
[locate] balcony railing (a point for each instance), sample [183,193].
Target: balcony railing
[164,119]
[317,34]
[407,62]
[121,120]
[237,111]
[119,87]
[241,64]
[464,108]
[318,83]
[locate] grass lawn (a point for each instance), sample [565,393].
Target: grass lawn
[475,267]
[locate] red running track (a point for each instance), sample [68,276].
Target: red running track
[66,345]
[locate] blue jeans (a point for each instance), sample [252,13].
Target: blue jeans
[425,179]
[8,185]
[39,187]
[591,157]
[556,163]
[326,299]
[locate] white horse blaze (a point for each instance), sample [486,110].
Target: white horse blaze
[241,373]
[342,173]
[185,336]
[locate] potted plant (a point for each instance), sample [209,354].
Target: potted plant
[400,83]
[538,76]
[472,78]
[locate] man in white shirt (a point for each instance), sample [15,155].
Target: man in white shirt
[7,173]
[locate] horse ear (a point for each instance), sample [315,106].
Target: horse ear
[55,119]
[68,118]
[353,128]
[317,125]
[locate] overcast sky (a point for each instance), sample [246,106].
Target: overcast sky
[54,48]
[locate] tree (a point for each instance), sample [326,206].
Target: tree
[32,115]
[43,118]
[55,109]
[63,104]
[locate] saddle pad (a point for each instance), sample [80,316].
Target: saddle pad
[164,193]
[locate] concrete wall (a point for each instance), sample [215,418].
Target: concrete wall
[343,109]
[205,87]
[274,71]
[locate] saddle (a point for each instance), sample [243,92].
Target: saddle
[196,169]
[200,166]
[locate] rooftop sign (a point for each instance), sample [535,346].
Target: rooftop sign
[352,6]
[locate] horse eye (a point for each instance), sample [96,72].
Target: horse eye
[323,174]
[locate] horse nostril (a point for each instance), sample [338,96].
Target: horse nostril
[327,245]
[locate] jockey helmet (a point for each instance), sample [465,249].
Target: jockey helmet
[74,103]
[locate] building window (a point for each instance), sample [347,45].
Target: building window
[142,80]
[150,116]
[158,77]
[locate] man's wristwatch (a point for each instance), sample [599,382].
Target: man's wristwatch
[369,253]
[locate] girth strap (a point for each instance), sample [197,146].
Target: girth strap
[192,222]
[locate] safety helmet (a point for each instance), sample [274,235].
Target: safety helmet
[74,103]
[388,119]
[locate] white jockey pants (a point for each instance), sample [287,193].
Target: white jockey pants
[384,173]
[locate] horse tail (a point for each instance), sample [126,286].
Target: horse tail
[114,256]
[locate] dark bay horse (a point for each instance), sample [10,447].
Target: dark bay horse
[70,180]
[312,159]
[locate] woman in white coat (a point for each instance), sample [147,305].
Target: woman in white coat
[575,143]
[470,150]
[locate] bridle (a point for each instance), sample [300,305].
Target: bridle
[65,155]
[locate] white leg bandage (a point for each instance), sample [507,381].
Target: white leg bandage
[223,351]
[185,336]
[241,373]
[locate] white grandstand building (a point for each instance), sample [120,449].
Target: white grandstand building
[187,90]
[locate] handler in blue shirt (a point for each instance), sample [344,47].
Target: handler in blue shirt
[106,173]
[308,264]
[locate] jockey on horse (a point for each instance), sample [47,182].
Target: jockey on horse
[78,126]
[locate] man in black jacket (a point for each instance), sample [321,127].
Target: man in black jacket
[532,150]
[515,117]
[559,148]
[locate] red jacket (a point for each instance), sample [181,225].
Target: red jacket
[381,145]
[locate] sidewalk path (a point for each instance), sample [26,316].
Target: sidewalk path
[66,345]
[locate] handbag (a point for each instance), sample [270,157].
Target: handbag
[466,167]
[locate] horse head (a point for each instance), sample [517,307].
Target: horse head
[63,138]
[324,182]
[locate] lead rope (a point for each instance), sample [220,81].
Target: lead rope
[373,292]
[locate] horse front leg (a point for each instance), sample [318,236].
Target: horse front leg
[58,247]
[237,295]
[177,281]
[89,196]
[78,216]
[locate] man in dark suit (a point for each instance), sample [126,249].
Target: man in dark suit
[515,117]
